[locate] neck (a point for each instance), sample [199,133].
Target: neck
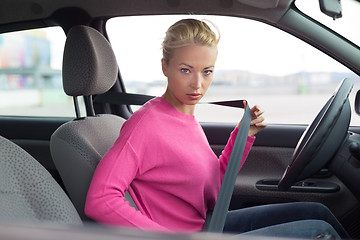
[181,107]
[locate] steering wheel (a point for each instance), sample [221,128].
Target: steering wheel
[322,138]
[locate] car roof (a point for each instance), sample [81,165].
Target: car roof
[49,12]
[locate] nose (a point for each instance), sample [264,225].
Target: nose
[196,81]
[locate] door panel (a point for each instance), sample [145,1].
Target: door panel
[271,153]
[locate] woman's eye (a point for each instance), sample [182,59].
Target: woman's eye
[185,70]
[208,72]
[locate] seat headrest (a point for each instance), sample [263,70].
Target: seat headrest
[89,63]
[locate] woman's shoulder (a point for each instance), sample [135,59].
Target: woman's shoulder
[149,109]
[147,114]
[157,115]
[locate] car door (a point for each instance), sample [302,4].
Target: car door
[276,72]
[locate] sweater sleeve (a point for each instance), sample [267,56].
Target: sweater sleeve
[105,201]
[225,155]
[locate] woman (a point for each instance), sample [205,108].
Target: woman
[162,157]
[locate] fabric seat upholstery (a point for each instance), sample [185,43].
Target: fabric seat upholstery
[89,68]
[27,190]
[77,147]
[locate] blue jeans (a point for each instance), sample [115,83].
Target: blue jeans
[285,219]
[302,229]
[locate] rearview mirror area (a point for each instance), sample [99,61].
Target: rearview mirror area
[331,8]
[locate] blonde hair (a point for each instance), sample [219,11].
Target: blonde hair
[187,32]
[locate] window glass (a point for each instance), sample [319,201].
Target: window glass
[345,25]
[30,74]
[256,62]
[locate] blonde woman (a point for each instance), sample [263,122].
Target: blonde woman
[162,157]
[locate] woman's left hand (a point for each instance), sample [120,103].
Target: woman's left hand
[257,122]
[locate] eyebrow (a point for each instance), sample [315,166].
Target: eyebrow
[189,66]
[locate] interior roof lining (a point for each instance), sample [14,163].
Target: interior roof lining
[110,8]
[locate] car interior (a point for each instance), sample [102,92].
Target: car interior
[80,144]
[47,161]
[29,192]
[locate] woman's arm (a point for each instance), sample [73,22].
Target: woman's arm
[105,201]
[225,155]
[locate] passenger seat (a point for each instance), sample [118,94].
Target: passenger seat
[89,68]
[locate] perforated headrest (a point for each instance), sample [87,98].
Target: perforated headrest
[89,63]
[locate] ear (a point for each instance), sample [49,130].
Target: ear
[164,67]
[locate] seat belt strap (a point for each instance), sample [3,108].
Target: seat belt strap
[122,98]
[217,220]
[141,99]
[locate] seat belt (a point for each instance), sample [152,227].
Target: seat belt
[122,98]
[141,99]
[215,220]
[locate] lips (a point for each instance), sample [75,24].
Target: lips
[194,96]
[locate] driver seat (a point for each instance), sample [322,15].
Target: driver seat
[89,68]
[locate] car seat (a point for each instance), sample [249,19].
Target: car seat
[89,68]
[28,192]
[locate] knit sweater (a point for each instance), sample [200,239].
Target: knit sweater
[162,157]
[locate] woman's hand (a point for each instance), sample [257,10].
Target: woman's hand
[257,122]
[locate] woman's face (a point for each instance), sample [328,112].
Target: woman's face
[190,72]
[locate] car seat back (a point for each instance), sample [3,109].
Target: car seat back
[89,68]
[27,190]
[77,147]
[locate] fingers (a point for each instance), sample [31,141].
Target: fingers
[257,115]
[258,120]
[256,111]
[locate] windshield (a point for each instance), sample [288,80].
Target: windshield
[345,26]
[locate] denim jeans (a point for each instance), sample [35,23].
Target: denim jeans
[285,219]
[301,229]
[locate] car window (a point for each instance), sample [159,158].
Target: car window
[30,74]
[256,62]
[344,26]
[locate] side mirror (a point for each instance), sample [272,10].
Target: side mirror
[331,8]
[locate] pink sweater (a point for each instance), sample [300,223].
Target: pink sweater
[164,160]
